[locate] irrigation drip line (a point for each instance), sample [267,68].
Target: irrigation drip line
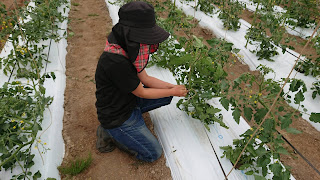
[215,153]
[295,149]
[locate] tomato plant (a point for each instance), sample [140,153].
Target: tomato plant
[309,67]
[23,104]
[229,14]
[316,89]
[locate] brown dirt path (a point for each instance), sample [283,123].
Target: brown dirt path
[90,22]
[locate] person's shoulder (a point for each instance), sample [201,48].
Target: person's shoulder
[111,58]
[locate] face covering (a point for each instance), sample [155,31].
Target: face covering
[142,58]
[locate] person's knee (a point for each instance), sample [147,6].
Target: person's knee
[155,155]
[158,153]
[152,155]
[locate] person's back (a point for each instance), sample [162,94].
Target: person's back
[115,101]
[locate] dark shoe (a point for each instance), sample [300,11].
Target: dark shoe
[104,141]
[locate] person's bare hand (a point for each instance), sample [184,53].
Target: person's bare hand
[179,90]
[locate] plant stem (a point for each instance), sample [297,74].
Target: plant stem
[253,21]
[13,155]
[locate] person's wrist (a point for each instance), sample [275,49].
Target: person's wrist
[172,92]
[171,86]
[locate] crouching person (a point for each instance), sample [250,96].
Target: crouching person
[121,81]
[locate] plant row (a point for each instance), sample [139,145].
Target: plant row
[268,30]
[23,100]
[201,67]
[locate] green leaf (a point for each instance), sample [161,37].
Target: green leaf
[224,85]
[249,172]
[251,150]
[36,128]
[299,97]
[180,60]
[225,103]
[315,117]
[293,130]
[248,113]
[281,108]
[37,175]
[212,42]
[219,71]
[285,175]
[226,148]
[276,169]
[259,115]
[179,103]
[212,110]
[296,84]
[256,177]
[264,171]
[244,166]
[207,127]
[5,127]
[71,34]
[24,138]
[198,43]
[42,89]
[314,94]
[53,75]
[261,151]
[203,116]
[285,121]
[263,161]
[282,150]
[235,50]
[236,115]
[3,149]
[228,46]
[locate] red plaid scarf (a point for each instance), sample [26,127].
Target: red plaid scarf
[143,56]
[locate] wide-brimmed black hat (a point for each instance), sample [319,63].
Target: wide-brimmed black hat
[140,18]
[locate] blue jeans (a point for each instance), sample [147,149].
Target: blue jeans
[134,137]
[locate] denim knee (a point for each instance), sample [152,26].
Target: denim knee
[157,154]
[153,155]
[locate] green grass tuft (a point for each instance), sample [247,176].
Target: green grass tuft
[76,166]
[93,14]
[75,4]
